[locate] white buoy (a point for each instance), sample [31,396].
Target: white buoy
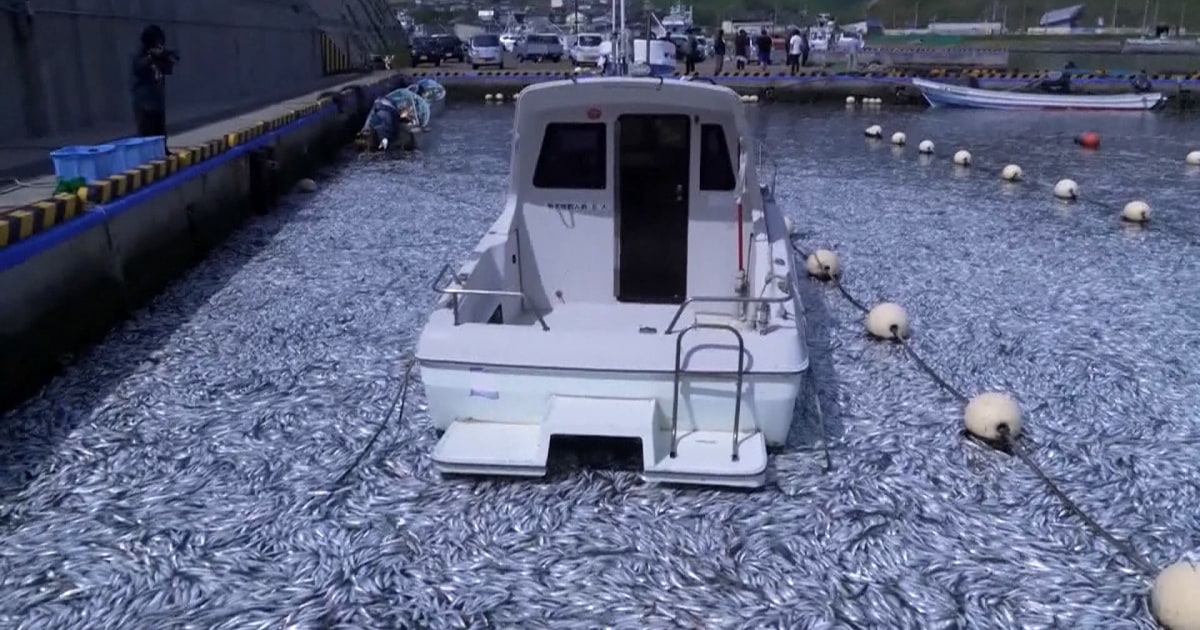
[487,97]
[987,412]
[306,185]
[962,158]
[1066,189]
[850,100]
[1011,173]
[822,264]
[1175,597]
[1193,158]
[886,320]
[899,139]
[925,147]
[874,131]
[1136,212]
[499,96]
[515,96]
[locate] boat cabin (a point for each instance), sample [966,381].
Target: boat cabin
[630,187]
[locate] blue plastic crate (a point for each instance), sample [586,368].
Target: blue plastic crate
[128,153]
[152,148]
[89,162]
[133,152]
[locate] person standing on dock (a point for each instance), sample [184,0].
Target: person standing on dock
[691,52]
[764,48]
[741,48]
[793,56]
[719,52]
[151,65]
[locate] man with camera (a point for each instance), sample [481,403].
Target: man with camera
[151,65]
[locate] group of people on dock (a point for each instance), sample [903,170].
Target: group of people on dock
[746,48]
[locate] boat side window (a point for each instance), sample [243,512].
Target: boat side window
[716,168]
[573,155]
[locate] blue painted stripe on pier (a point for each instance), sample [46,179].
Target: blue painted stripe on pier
[25,249]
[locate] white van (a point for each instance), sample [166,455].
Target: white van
[587,49]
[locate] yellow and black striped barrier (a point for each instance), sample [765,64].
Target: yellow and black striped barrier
[334,58]
[38,217]
[890,73]
[25,221]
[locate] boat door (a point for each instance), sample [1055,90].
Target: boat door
[653,160]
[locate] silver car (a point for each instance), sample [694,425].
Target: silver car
[485,50]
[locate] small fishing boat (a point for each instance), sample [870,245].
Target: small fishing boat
[637,284]
[1162,45]
[401,119]
[947,95]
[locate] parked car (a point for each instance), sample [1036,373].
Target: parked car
[424,50]
[485,50]
[451,47]
[586,51]
[540,48]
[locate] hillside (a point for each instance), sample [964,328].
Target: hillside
[903,13]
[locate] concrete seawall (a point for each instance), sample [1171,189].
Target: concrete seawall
[66,64]
[893,86]
[71,266]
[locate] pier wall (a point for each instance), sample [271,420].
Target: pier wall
[71,266]
[894,86]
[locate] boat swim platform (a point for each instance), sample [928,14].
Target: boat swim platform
[817,85]
[72,265]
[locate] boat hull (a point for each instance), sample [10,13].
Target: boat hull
[523,396]
[945,95]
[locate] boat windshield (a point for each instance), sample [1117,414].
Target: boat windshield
[590,40]
[485,40]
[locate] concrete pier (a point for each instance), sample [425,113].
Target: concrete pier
[72,265]
[812,85]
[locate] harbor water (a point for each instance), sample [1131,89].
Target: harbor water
[199,465]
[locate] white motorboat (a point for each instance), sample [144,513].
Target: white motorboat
[947,95]
[637,284]
[1163,44]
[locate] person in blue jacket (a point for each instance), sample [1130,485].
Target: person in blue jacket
[400,110]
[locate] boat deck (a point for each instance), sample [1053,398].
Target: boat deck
[617,317]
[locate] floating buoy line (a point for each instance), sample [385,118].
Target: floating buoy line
[994,418]
[1066,190]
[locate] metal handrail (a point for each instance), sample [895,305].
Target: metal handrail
[737,401]
[455,292]
[725,299]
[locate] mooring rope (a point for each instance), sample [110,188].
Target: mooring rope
[1007,443]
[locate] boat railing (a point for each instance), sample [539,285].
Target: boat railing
[457,292]
[768,162]
[762,302]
